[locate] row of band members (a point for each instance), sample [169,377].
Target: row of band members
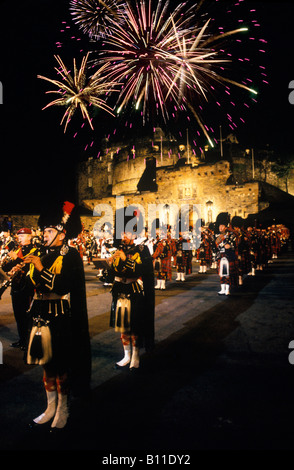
[247,250]
[49,295]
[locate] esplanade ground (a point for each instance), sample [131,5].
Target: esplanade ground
[219,378]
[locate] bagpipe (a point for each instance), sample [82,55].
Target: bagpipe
[226,238]
[105,264]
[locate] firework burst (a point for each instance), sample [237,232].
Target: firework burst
[75,92]
[165,58]
[95,17]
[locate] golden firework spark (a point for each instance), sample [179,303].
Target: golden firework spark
[75,92]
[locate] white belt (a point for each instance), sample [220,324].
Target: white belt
[50,296]
[125,280]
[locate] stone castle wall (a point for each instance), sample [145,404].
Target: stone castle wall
[245,170]
[182,188]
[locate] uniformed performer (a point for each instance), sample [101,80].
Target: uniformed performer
[162,256]
[7,243]
[133,303]
[21,292]
[242,248]
[204,252]
[59,338]
[225,242]
[181,256]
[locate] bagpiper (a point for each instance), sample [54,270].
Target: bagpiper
[225,243]
[204,252]
[133,299]
[181,256]
[59,334]
[242,248]
[162,259]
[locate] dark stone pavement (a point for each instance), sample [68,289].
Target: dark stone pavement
[221,382]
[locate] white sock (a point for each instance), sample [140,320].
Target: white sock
[222,291]
[50,410]
[62,412]
[127,357]
[135,362]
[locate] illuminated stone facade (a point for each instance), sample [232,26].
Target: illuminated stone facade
[162,172]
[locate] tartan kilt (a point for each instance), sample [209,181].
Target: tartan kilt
[233,272]
[166,267]
[163,267]
[204,253]
[243,264]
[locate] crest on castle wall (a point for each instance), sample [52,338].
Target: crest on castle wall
[187,191]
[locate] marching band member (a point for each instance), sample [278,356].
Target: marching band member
[21,292]
[7,243]
[132,309]
[204,252]
[59,338]
[181,258]
[242,248]
[225,244]
[106,248]
[162,255]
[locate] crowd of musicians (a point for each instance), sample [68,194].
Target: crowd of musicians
[247,249]
[45,269]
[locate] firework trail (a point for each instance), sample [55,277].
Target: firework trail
[76,93]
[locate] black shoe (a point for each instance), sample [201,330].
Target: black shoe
[57,431]
[118,367]
[16,344]
[39,427]
[54,431]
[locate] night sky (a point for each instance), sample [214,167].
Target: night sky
[38,160]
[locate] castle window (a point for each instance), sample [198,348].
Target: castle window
[90,182]
[188,192]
